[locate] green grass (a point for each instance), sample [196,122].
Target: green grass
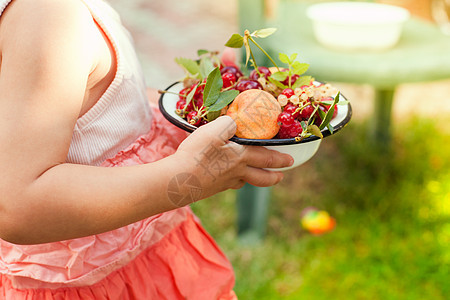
[392,239]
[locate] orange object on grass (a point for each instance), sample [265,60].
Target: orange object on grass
[317,221]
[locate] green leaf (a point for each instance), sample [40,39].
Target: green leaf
[303,80]
[191,95]
[315,130]
[330,128]
[327,102]
[284,58]
[299,68]
[293,57]
[235,41]
[277,83]
[189,65]
[313,115]
[202,52]
[280,75]
[326,120]
[224,99]
[212,115]
[304,125]
[213,86]
[263,33]
[206,66]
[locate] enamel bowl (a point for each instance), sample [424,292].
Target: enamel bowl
[301,151]
[357,25]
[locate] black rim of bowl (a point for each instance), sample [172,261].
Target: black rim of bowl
[256,142]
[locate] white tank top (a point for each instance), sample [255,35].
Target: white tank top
[122,114]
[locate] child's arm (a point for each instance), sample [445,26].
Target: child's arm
[45,62]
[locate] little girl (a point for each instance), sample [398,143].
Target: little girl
[89,205]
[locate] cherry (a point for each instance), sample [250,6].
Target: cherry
[291,109]
[287,132]
[233,70]
[199,102]
[263,70]
[288,92]
[247,84]
[228,79]
[184,92]
[296,129]
[286,119]
[306,112]
[283,133]
[180,104]
[293,79]
[193,118]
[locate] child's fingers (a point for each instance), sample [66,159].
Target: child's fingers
[222,128]
[260,157]
[262,178]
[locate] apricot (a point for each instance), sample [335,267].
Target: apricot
[255,113]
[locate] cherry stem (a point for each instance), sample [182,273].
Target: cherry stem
[265,53]
[167,92]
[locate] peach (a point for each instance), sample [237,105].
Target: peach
[255,113]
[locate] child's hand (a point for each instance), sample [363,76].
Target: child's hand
[220,164]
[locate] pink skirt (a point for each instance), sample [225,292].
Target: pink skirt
[185,264]
[168,256]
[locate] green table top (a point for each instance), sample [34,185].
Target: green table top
[422,54]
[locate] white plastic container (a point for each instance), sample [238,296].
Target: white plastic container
[357,25]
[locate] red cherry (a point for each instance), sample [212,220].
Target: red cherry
[199,102]
[286,119]
[263,70]
[288,92]
[291,109]
[233,70]
[296,129]
[184,92]
[199,91]
[247,84]
[306,112]
[193,118]
[288,132]
[180,104]
[228,79]
[293,79]
[283,133]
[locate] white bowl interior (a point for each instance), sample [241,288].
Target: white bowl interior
[301,152]
[357,25]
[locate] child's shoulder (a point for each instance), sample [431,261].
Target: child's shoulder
[45,25]
[34,18]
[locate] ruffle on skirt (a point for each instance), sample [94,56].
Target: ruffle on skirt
[169,252]
[185,264]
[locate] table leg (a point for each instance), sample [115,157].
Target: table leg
[252,206]
[381,121]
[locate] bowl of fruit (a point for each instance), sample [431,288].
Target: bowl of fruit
[277,107]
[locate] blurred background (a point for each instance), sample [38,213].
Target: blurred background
[392,207]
